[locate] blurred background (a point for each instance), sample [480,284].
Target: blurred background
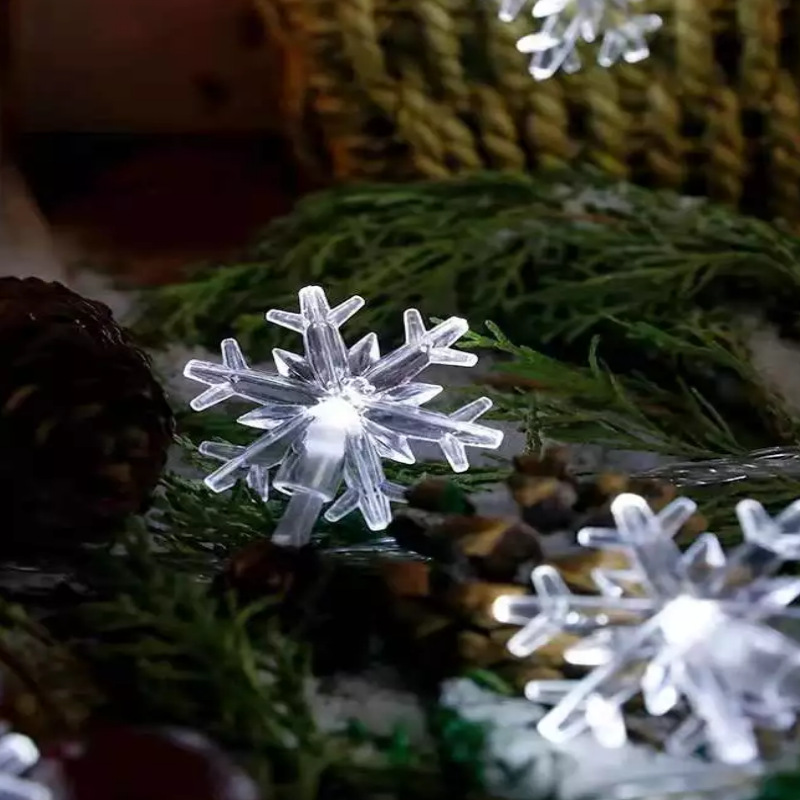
[145,136]
[139,136]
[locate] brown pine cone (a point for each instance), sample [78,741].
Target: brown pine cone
[544,490]
[470,547]
[84,425]
[594,503]
[552,500]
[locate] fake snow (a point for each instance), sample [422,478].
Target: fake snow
[522,765]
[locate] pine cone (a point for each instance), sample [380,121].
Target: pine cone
[594,502]
[544,490]
[84,425]
[552,500]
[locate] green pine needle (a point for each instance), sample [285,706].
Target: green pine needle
[560,262]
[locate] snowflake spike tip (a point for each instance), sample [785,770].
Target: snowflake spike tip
[553,599]
[454,451]
[219,390]
[291,365]
[705,553]
[314,308]
[364,353]
[546,8]
[421,349]
[510,9]
[18,754]
[472,411]
[269,415]
[604,718]
[789,518]
[780,536]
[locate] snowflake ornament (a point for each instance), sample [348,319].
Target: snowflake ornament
[18,754]
[332,414]
[691,632]
[566,23]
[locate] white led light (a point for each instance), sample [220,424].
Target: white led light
[621,32]
[18,754]
[332,414]
[695,626]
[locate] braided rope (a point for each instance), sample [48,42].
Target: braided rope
[694,56]
[498,131]
[608,123]
[444,49]
[760,27]
[406,88]
[784,135]
[665,147]
[541,107]
[726,167]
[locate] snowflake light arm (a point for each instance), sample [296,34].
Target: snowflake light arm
[628,42]
[567,23]
[453,432]
[647,539]
[330,415]
[421,349]
[698,633]
[18,754]
[265,452]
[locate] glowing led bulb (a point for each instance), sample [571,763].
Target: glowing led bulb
[691,625]
[18,754]
[332,414]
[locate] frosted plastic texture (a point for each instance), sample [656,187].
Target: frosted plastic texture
[332,414]
[690,632]
[566,23]
[18,754]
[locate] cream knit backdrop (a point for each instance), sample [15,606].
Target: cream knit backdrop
[407,88]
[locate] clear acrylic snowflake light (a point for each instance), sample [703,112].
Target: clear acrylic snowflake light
[566,24]
[332,414]
[694,632]
[18,754]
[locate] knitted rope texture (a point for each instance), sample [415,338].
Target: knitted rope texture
[397,89]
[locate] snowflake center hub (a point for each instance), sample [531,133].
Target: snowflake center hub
[686,620]
[337,412]
[355,391]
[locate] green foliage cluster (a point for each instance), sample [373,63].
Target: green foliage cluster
[159,644]
[590,404]
[652,284]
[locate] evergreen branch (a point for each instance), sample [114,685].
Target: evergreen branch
[556,260]
[196,526]
[169,651]
[511,248]
[592,405]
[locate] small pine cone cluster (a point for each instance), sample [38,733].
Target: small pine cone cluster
[84,425]
[442,608]
[436,613]
[552,499]
[442,626]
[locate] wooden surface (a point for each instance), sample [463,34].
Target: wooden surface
[146,209]
[140,66]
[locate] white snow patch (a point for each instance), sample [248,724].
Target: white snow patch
[582,770]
